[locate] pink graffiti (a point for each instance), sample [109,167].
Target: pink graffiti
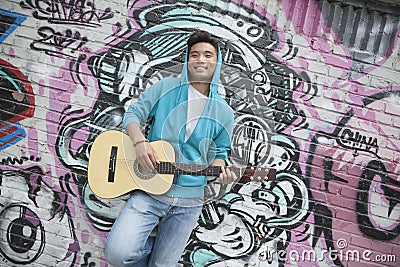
[360,188]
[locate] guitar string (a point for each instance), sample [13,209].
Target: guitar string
[170,168]
[185,168]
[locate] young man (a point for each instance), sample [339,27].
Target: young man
[188,113]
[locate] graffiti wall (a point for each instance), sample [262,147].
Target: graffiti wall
[315,87]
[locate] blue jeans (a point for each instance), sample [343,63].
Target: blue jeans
[129,242]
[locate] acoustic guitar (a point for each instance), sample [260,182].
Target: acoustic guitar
[114,171]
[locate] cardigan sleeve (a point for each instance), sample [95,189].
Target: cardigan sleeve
[146,105]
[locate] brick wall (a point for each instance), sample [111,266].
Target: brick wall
[316,92]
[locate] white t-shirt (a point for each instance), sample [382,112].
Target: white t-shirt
[196,103]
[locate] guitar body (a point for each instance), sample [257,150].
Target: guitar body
[112,171]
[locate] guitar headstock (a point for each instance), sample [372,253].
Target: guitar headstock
[253,173]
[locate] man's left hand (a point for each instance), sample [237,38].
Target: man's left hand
[227,176]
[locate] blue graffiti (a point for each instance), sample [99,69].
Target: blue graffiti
[11,134]
[10,22]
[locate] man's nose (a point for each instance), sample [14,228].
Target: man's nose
[202,58]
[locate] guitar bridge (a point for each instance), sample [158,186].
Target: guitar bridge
[112,163]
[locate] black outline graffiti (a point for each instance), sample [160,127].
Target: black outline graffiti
[328,174]
[80,12]
[16,238]
[54,42]
[354,140]
[14,160]
[375,168]
[33,177]
[292,52]
[86,262]
[323,227]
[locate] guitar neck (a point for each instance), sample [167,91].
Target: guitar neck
[249,173]
[191,169]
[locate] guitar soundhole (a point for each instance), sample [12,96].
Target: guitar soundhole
[142,173]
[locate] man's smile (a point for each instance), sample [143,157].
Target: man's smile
[200,68]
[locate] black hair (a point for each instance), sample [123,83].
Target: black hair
[201,36]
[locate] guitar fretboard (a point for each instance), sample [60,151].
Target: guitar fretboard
[188,169]
[249,173]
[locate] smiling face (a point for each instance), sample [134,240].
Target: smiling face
[202,62]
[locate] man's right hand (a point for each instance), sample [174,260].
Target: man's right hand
[146,156]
